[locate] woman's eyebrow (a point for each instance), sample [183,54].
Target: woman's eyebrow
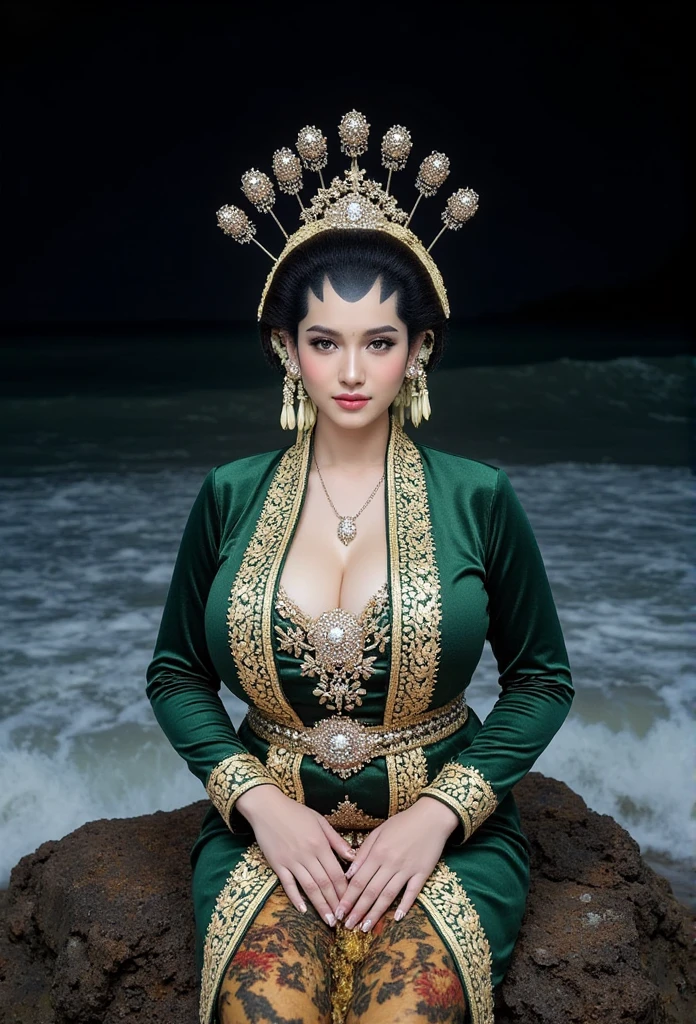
[324,330]
[386,328]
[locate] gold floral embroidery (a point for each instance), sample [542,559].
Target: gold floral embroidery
[408,775]
[456,919]
[284,765]
[334,647]
[415,584]
[347,815]
[246,888]
[250,601]
[232,777]
[466,791]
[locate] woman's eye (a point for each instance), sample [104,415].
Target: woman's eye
[322,344]
[384,344]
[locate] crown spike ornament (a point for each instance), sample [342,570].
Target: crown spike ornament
[396,146]
[258,188]
[235,223]
[311,145]
[350,201]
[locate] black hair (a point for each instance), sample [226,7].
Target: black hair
[353,260]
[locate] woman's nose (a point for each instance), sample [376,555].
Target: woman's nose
[351,367]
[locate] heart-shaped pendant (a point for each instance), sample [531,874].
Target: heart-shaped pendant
[347,530]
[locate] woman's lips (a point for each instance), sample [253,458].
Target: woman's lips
[353,404]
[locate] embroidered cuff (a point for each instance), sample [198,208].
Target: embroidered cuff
[467,792]
[232,777]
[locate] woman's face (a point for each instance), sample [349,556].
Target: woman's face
[353,355]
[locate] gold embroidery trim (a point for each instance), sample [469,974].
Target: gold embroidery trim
[284,766]
[341,668]
[415,584]
[347,815]
[232,777]
[457,921]
[251,596]
[466,791]
[246,888]
[408,775]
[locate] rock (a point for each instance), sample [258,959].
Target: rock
[98,927]
[603,938]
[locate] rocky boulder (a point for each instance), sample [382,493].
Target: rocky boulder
[97,928]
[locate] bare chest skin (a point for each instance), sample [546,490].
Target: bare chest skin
[320,572]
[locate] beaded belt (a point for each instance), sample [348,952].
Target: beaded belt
[344,746]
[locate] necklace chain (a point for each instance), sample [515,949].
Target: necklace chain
[346,527]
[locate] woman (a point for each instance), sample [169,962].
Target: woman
[362,859]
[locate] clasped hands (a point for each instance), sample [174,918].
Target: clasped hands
[303,850]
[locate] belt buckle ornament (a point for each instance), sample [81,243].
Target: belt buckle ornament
[341,745]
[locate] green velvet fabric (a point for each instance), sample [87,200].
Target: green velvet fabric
[493,587]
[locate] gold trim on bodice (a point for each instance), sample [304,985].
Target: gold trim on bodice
[415,584]
[251,597]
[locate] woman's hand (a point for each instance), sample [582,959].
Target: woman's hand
[299,845]
[402,851]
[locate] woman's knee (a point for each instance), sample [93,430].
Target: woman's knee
[280,969]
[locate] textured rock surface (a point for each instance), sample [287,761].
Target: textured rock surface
[603,939]
[98,927]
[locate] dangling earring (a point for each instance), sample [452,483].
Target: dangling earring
[413,399]
[307,410]
[287,413]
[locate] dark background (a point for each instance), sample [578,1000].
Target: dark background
[126,127]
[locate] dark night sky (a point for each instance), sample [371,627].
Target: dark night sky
[126,129]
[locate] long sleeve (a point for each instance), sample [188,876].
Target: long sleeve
[534,671]
[182,684]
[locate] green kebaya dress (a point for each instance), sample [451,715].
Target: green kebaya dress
[463,567]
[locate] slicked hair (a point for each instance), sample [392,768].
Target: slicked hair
[352,261]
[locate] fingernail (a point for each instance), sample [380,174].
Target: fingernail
[330,920]
[340,914]
[350,922]
[303,907]
[350,852]
[398,916]
[365,926]
[349,872]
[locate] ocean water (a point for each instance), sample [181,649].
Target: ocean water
[94,492]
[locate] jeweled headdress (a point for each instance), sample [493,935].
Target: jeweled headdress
[352,201]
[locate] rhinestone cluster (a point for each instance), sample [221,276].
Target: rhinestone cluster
[432,173]
[337,638]
[288,171]
[258,188]
[347,530]
[354,131]
[396,146]
[235,223]
[460,208]
[311,145]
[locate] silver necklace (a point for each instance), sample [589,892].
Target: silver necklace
[347,530]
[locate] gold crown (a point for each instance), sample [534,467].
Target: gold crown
[353,201]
